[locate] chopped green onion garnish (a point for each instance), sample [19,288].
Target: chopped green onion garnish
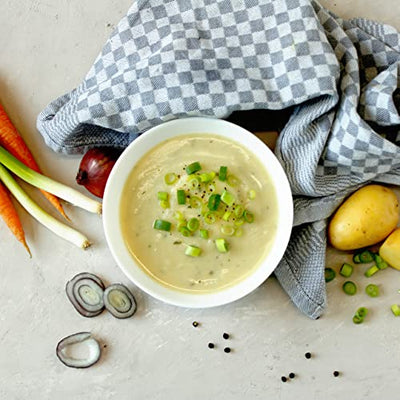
[228,230]
[350,288]
[194,181]
[193,224]
[162,196]
[239,222]
[164,204]
[178,216]
[204,233]
[380,262]
[357,319]
[248,216]
[209,218]
[372,290]
[346,270]
[222,173]
[371,271]
[252,194]
[162,225]
[356,259]
[395,309]
[330,274]
[362,312]
[170,178]
[192,168]
[181,196]
[184,231]
[233,180]
[227,198]
[195,202]
[222,245]
[207,176]
[239,232]
[239,210]
[226,215]
[193,251]
[213,202]
[366,257]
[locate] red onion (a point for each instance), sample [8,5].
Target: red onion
[95,167]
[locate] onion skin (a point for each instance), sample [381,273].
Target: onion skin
[95,167]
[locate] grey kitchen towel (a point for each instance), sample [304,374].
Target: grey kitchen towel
[170,59]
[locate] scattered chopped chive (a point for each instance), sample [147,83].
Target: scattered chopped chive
[207,177]
[213,202]
[184,231]
[292,375]
[238,232]
[204,233]
[170,178]
[239,210]
[195,202]
[371,271]
[307,355]
[227,198]
[193,224]
[349,288]
[232,180]
[164,204]
[195,324]
[225,335]
[395,310]
[346,270]
[251,194]
[227,349]
[248,216]
[372,290]
[362,312]
[162,225]
[181,196]
[162,196]
[222,173]
[227,230]
[193,251]
[209,218]
[211,345]
[222,245]
[192,168]
[239,221]
[330,274]
[366,257]
[380,262]
[356,259]
[178,216]
[336,374]
[226,215]
[283,379]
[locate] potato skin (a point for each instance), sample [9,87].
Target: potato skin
[367,217]
[390,249]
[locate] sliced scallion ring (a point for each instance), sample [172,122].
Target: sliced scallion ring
[66,346]
[227,230]
[181,196]
[372,290]
[227,198]
[232,180]
[248,216]
[346,270]
[193,251]
[170,178]
[193,224]
[350,288]
[85,292]
[204,233]
[209,218]
[195,202]
[371,271]
[222,173]
[214,201]
[330,274]
[162,225]
[193,167]
[119,301]
[222,245]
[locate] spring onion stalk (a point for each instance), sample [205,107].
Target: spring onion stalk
[193,251]
[346,270]
[192,168]
[395,310]
[380,262]
[222,245]
[330,274]
[170,178]
[227,198]
[193,224]
[371,271]
[222,173]
[227,230]
[239,210]
[248,216]
[49,185]
[204,233]
[350,288]
[195,202]
[213,202]
[40,215]
[162,225]
[372,290]
[366,257]
[181,196]
[163,196]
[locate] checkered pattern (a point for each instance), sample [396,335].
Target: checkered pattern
[175,58]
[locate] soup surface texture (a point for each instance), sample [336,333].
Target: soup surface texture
[162,254]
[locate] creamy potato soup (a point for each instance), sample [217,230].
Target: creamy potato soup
[198,213]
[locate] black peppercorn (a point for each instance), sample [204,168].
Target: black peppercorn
[195,324]
[292,375]
[307,355]
[283,379]
[227,350]
[225,336]
[210,345]
[336,373]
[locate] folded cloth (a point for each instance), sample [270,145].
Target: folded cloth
[170,59]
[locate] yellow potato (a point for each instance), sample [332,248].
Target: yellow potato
[367,217]
[390,249]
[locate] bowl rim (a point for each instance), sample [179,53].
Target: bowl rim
[112,196]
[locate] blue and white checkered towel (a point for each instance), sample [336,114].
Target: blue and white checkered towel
[170,59]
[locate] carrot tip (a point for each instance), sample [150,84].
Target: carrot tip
[27,248]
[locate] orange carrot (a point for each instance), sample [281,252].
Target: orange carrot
[11,218]
[11,140]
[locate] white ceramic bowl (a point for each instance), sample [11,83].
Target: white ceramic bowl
[120,173]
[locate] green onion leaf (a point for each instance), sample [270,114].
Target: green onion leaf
[350,288]
[222,173]
[184,231]
[395,310]
[170,178]
[372,290]
[222,245]
[371,271]
[213,202]
[204,233]
[330,274]
[192,168]
[181,196]
[193,251]
[162,225]
[227,198]
[346,270]
[193,224]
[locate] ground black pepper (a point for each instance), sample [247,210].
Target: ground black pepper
[336,373]
[292,375]
[211,345]
[225,335]
[227,349]
[283,379]
[307,355]
[195,324]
